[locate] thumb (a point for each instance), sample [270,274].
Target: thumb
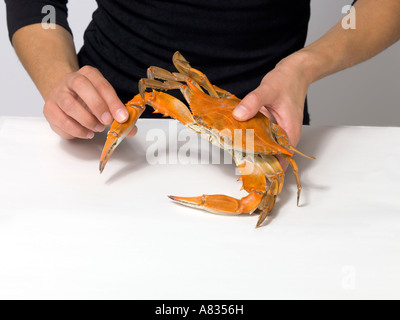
[251,104]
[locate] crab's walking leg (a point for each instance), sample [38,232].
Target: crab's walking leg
[254,183]
[293,164]
[271,168]
[144,84]
[162,74]
[283,140]
[275,174]
[268,202]
[183,66]
[154,84]
[161,102]
[159,73]
[225,94]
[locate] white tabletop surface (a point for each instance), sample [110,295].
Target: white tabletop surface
[68,232]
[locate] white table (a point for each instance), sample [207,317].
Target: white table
[68,232]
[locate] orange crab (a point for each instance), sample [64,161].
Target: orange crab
[211,116]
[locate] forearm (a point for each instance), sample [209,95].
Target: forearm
[378,27]
[47,55]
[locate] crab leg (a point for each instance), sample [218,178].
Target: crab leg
[271,168]
[154,84]
[254,183]
[166,85]
[159,73]
[161,102]
[225,94]
[293,164]
[283,140]
[274,173]
[183,66]
[162,74]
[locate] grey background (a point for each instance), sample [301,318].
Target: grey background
[368,94]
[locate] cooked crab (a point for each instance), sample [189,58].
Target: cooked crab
[210,116]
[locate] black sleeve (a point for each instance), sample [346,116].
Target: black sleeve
[21,13]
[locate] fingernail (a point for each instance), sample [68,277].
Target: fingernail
[106,118]
[90,135]
[99,128]
[240,112]
[121,115]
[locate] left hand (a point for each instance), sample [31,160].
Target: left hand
[280,97]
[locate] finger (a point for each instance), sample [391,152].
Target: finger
[61,133]
[77,111]
[81,86]
[289,122]
[268,114]
[251,104]
[133,132]
[58,119]
[293,133]
[107,92]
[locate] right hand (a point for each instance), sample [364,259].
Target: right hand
[83,103]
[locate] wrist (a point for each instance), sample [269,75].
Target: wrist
[50,80]
[307,66]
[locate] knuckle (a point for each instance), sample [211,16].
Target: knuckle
[88,70]
[77,81]
[67,103]
[103,87]
[48,110]
[67,124]
[71,128]
[85,69]
[98,105]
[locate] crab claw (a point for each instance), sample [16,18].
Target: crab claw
[119,131]
[113,140]
[221,204]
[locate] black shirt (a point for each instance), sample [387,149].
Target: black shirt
[234,42]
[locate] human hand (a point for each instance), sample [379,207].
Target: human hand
[83,103]
[280,97]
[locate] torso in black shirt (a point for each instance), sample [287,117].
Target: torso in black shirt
[234,42]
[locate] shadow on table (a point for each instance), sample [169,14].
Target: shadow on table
[131,153]
[88,150]
[313,142]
